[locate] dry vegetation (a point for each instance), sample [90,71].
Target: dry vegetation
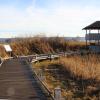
[31,46]
[2,51]
[44,45]
[78,76]
[85,67]
[41,45]
[38,45]
[85,73]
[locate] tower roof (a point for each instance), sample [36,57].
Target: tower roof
[93,26]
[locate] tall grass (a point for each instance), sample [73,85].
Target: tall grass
[86,67]
[78,76]
[84,71]
[44,45]
[2,51]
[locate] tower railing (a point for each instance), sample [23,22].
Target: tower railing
[92,36]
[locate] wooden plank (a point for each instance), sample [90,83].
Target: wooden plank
[17,82]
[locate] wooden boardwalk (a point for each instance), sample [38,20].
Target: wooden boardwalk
[18,83]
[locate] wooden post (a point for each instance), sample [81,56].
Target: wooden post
[89,36]
[98,37]
[57,93]
[86,38]
[41,76]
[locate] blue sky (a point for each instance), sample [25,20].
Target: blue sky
[49,17]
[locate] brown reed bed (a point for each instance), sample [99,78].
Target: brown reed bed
[78,76]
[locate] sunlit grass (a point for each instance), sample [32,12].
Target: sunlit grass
[86,67]
[78,76]
[2,51]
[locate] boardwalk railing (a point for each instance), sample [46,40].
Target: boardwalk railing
[33,58]
[43,87]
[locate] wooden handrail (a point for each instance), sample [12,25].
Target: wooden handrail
[41,83]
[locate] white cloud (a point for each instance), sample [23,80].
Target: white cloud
[61,20]
[64,20]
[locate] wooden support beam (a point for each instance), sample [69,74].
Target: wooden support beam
[86,39]
[89,34]
[98,38]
